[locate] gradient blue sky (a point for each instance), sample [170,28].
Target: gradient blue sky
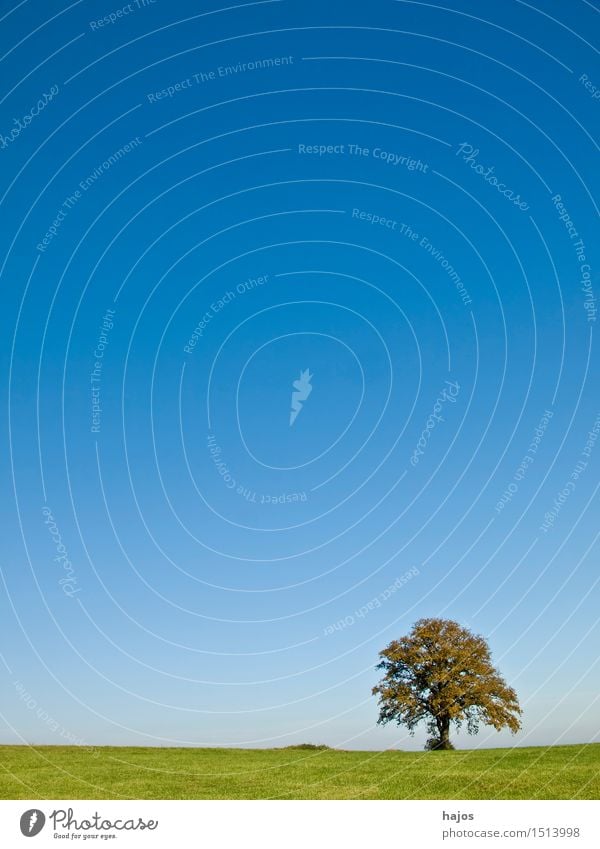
[200,614]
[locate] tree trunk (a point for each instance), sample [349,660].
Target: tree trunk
[444,728]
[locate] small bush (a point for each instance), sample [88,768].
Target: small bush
[434,744]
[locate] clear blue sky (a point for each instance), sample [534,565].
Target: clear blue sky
[209,202]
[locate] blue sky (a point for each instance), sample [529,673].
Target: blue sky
[397,197]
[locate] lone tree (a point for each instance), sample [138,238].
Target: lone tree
[443,674]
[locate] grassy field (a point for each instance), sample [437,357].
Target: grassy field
[66,772]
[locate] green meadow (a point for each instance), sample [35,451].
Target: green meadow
[69,772]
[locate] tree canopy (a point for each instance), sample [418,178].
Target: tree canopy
[442,674]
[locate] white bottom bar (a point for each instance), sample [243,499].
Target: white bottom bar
[296,824]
